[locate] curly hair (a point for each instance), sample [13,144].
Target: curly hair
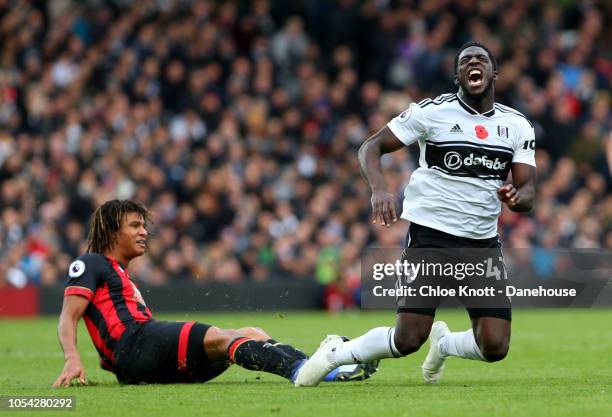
[106,221]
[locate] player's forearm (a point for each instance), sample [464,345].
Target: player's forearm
[67,334]
[369,161]
[525,204]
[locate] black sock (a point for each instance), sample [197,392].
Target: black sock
[262,356]
[289,350]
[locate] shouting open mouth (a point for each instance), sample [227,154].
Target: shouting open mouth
[475,77]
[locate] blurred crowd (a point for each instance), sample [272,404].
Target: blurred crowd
[238,122]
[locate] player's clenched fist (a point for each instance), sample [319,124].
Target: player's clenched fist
[383,208]
[509,195]
[73,369]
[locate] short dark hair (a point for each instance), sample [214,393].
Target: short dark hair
[106,221]
[478,44]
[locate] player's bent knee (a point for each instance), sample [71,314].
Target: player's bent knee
[407,344]
[218,335]
[494,356]
[494,352]
[229,335]
[217,341]
[256,333]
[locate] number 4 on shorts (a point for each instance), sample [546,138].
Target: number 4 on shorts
[493,270]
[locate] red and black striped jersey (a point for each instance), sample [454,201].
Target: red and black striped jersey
[116,305]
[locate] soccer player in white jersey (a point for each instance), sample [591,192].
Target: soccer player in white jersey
[468,145]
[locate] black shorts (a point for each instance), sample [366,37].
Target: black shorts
[166,352]
[422,237]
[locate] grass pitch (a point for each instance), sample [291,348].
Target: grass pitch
[560,364]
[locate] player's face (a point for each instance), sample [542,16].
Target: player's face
[475,73]
[132,236]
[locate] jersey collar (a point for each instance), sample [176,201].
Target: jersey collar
[470,110]
[113,260]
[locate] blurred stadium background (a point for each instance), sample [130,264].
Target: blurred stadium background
[238,122]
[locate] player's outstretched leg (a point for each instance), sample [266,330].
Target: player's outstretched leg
[258,333]
[406,337]
[334,352]
[346,373]
[343,373]
[257,355]
[253,349]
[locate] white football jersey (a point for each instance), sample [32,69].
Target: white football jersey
[465,157]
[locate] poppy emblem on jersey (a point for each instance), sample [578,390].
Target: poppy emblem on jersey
[481,132]
[76,269]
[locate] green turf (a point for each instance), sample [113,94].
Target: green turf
[560,364]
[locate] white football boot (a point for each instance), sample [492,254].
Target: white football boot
[319,364]
[433,366]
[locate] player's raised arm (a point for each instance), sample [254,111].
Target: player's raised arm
[383,202]
[72,311]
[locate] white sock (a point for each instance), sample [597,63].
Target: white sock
[378,343]
[460,344]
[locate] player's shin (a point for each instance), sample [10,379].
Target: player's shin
[377,343]
[256,355]
[460,344]
[288,349]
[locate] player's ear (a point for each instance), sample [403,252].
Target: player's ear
[456,79]
[495,73]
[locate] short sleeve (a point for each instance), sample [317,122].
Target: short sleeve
[524,150]
[409,125]
[84,275]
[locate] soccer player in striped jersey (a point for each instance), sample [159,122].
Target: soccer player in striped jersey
[468,146]
[138,348]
